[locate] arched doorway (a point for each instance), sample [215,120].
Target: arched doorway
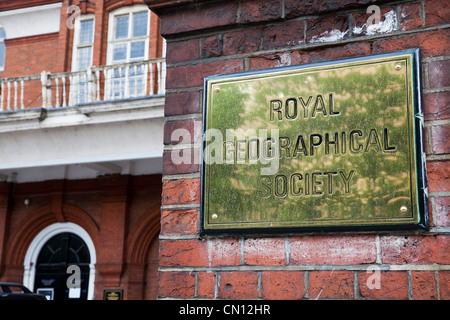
[57,255]
[49,256]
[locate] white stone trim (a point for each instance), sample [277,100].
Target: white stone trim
[32,21]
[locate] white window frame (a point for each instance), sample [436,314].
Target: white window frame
[130,10]
[76,39]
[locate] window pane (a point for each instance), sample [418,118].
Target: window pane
[136,70]
[2,54]
[140,24]
[121,27]
[136,84]
[118,72]
[86,31]
[84,58]
[137,49]
[120,51]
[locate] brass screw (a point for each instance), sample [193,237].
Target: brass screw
[217,90]
[398,67]
[214,216]
[403,209]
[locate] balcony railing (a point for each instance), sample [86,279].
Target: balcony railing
[97,84]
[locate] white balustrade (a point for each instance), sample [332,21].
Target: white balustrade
[96,84]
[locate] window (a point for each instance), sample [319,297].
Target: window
[128,42]
[2,48]
[129,39]
[83,44]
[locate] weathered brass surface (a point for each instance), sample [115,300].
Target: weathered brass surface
[112,294]
[322,146]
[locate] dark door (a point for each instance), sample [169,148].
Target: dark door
[60,252]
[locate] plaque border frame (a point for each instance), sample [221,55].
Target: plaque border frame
[419,156]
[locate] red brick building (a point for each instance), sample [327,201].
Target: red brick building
[86,146]
[82,95]
[207,38]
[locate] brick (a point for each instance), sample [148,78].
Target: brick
[193,75]
[260,10]
[238,285]
[423,285]
[183,51]
[183,191]
[332,249]
[183,253]
[444,285]
[211,46]
[415,249]
[175,222]
[264,251]
[214,252]
[440,137]
[179,161]
[410,16]
[393,285]
[176,284]
[431,43]
[295,8]
[182,103]
[439,74]
[330,53]
[199,18]
[331,285]
[183,131]
[283,35]
[267,61]
[325,28]
[442,211]
[427,148]
[245,41]
[438,176]
[436,106]
[206,285]
[437,12]
[431,221]
[224,252]
[286,285]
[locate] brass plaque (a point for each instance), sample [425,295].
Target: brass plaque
[112,294]
[327,145]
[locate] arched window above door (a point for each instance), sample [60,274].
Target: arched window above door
[65,248]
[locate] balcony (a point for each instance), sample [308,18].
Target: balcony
[76,125]
[95,85]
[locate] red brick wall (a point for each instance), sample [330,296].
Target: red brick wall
[120,214]
[30,56]
[230,36]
